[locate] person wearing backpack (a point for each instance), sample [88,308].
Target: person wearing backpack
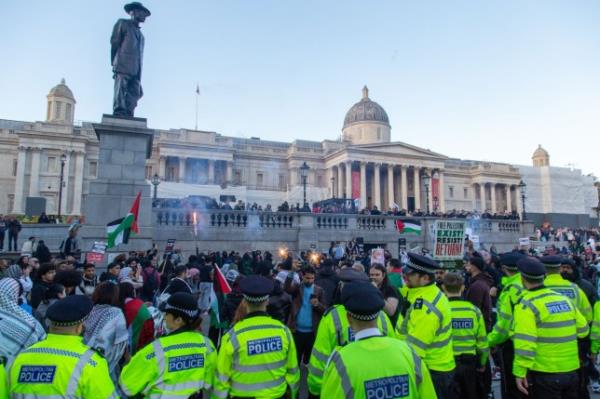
[151,281]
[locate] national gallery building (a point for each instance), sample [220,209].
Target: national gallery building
[364,165]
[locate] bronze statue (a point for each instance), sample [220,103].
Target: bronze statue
[126,54]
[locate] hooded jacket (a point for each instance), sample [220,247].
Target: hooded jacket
[479,295]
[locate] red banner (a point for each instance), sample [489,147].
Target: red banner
[356,185]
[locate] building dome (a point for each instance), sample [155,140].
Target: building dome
[61,104]
[62,90]
[540,157]
[366,111]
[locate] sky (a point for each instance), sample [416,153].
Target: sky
[485,80]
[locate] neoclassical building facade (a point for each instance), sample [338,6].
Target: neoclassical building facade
[363,165]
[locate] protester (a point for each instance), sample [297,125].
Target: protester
[137,317]
[89,280]
[53,294]
[151,280]
[478,292]
[105,327]
[28,247]
[112,273]
[14,227]
[379,278]
[18,329]
[42,283]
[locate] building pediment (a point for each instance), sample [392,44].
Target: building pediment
[397,148]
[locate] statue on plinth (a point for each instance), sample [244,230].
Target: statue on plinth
[126,55]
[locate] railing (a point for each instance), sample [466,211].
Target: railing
[331,221]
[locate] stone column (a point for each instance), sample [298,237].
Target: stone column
[363,185]
[181,169]
[508,198]
[482,196]
[162,167]
[430,191]
[404,183]
[211,172]
[390,171]
[65,190]
[377,186]
[493,195]
[518,199]
[18,201]
[442,191]
[340,182]
[348,166]
[229,172]
[34,181]
[473,196]
[417,187]
[78,184]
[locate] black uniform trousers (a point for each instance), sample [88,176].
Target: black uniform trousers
[442,383]
[466,383]
[553,385]
[509,386]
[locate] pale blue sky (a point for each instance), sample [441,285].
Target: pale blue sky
[487,80]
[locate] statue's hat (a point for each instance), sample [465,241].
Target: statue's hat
[136,5]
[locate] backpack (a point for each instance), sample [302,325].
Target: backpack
[150,283]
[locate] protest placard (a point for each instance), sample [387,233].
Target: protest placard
[449,239]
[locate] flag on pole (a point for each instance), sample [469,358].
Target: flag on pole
[221,284]
[117,231]
[408,226]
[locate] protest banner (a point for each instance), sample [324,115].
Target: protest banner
[524,241]
[449,239]
[96,254]
[378,256]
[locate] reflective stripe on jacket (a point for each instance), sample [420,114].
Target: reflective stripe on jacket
[468,330]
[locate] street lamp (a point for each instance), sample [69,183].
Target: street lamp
[304,174]
[63,160]
[155,183]
[426,180]
[522,187]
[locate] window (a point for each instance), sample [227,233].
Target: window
[466,193]
[281,181]
[319,180]
[51,164]
[68,112]
[451,191]
[57,110]
[259,179]
[237,177]
[171,173]
[14,169]
[93,169]
[148,172]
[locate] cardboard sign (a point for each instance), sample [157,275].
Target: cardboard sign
[378,256]
[96,254]
[524,241]
[449,239]
[170,246]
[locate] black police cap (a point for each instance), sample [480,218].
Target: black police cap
[256,288]
[551,261]
[181,304]
[69,311]
[510,259]
[531,268]
[422,264]
[362,300]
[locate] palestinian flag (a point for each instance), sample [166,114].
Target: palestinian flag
[117,231]
[407,226]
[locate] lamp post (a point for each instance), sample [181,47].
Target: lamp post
[426,181]
[522,187]
[304,174]
[155,183]
[63,160]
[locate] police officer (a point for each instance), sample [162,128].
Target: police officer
[469,340]
[397,372]
[257,357]
[335,331]
[62,365]
[500,334]
[178,364]
[546,326]
[427,325]
[555,281]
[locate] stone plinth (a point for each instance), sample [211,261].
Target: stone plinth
[125,144]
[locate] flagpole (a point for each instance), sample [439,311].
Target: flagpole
[197,95]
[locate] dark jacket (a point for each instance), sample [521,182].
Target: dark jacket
[38,292]
[297,293]
[43,253]
[127,48]
[232,302]
[479,295]
[279,304]
[327,280]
